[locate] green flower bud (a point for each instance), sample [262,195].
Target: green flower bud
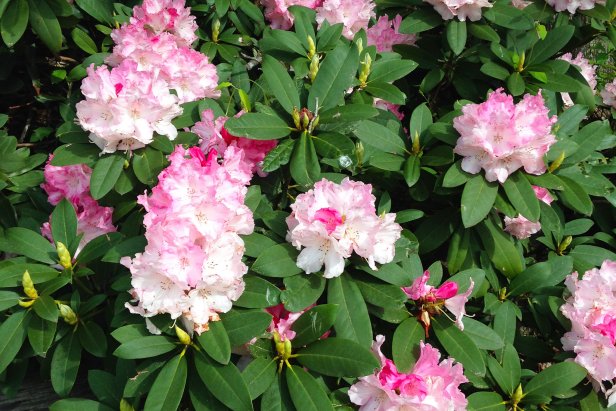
[67,314]
[182,335]
[64,256]
[28,285]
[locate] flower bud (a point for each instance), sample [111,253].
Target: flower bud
[182,335]
[67,314]
[416,145]
[215,30]
[360,45]
[64,256]
[295,116]
[365,70]
[564,244]
[314,67]
[359,153]
[556,163]
[126,406]
[28,285]
[26,304]
[517,395]
[312,49]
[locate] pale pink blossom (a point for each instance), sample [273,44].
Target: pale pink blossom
[387,106]
[592,311]
[587,70]
[278,14]
[608,94]
[462,9]
[430,298]
[353,14]
[430,386]
[501,137]
[521,227]
[385,34]
[572,5]
[169,16]
[192,265]
[331,221]
[521,4]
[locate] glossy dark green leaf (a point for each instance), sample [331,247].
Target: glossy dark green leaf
[305,167]
[485,401]
[386,91]
[352,321]
[97,247]
[305,392]
[78,404]
[412,170]
[45,24]
[522,196]
[278,156]
[555,40]
[14,21]
[83,41]
[65,364]
[258,126]
[381,295]
[459,345]
[501,249]
[390,70]
[147,164]
[145,347]
[477,200]
[45,307]
[8,299]
[13,332]
[313,323]
[93,338]
[574,196]
[301,290]
[242,326]
[276,397]
[556,379]
[105,174]
[281,84]
[168,388]
[484,337]
[277,261]
[405,343]
[11,275]
[101,10]
[64,223]
[379,137]
[26,242]
[258,293]
[259,375]
[456,35]
[336,74]
[338,357]
[215,342]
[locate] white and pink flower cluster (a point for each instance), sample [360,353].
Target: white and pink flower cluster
[192,265]
[213,135]
[501,137]
[277,11]
[384,34]
[608,94]
[587,70]
[592,311]
[154,71]
[333,220]
[73,183]
[573,5]
[520,226]
[462,9]
[430,386]
[431,298]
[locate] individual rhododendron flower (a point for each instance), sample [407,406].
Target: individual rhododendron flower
[431,299]
[73,183]
[521,4]
[332,220]
[501,137]
[430,386]
[384,34]
[521,227]
[353,14]
[192,264]
[587,70]
[391,107]
[608,94]
[573,5]
[277,11]
[283,320]
[213,135]
[462,9]
[592,311]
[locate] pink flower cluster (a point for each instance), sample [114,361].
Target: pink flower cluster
[154,71]
[333,220]
[353,14]
[431,297]
[277,11]
[462,9]
[609,94]
[521,227]
[192,265]
[430,386]
[592,311]
[384,34]
[501,137]
[573,5]
[73,183]
[587,70]
[213,135]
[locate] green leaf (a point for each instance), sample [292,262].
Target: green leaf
[242,326]
[105,174]
[74,153]
[305,168]
[64,223]
[485,401]
[484,337]
[455,176]
[145,347]
[338,357]
[26,242]
[215,342]
[459,345]
[11,275]
[13,332]
[352,321]
[384,71]
[379,137]
[45,24]
[8,299]
[574,196]
[505,325]
[405,343]
[542,274]
[347,114]
[501,249]
[45,307]
[386,91]
[65,364]
[522,196]
[281,84]
[101,10]
[14,21]
[556,379]
[83,41]
[335,76]
[93,338]
[555,41]
[494,70]
[147,165]
[78,404]
[456,35]
[381,295]
[168,388]
[258,126]
[412,170]
[278,156]
[314,323]
[277,261]
[505,15]
[259,375]
[306,393]
[478,198]
[516,84]
[225,382]
[258,293]
[483,32]
[301,290]
[97,247]
[420,20]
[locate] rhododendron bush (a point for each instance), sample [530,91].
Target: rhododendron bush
[311,205]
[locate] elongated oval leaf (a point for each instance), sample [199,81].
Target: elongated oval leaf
[145,347]
[379,137]
[281,84]
[313,323]
[501,249]
[258,126]
[13,332]
[478,198]
[259,375]
[168,388]
[14,21]
[215,342]
[522,196]
[242,326]
[26,242]
[45,24]
[305,167]
[64,223]
[459,345]
[301,290]
[338,357]
[45,307]
[556,379]
[405,344]
[258,293]
[484,337]
[305,392]
[456,35]
[105,174]
[277,261]
[65,364]
[101,10]
[352,321]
